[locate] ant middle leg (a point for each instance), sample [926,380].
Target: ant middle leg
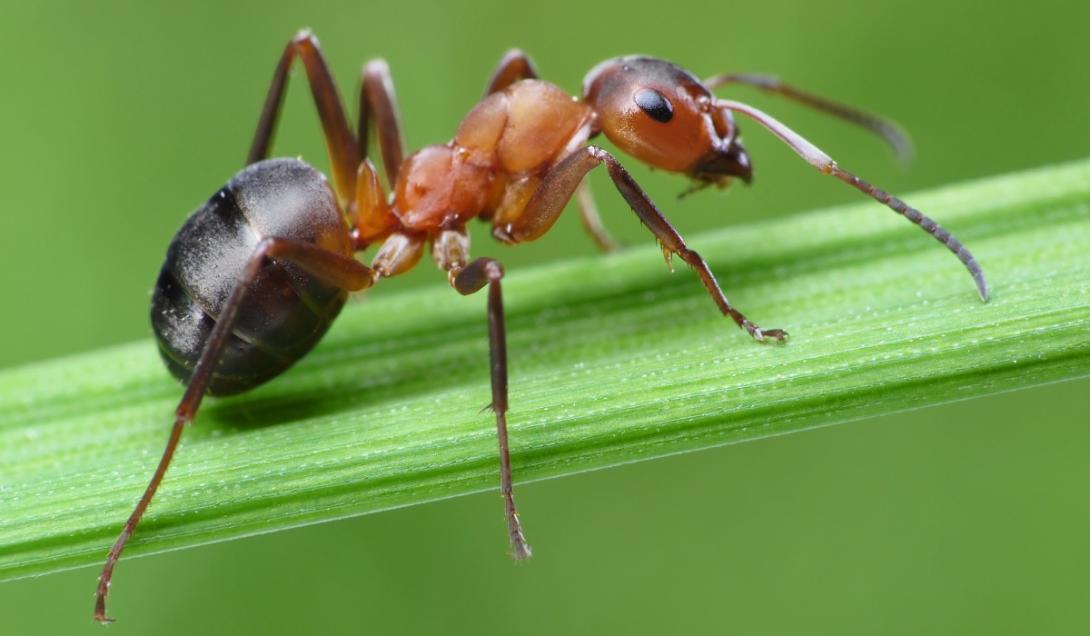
[332,268]
[344,152]
[557,188]
[451,252]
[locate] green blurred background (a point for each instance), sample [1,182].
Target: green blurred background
[116,119]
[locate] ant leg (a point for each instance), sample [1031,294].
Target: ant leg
[344,153]
[557,187]
[335,269]
[377,97]
[825,164]
[397,255]
[451,250]
[888,130]
[515,65]
[371,217]
[592,223]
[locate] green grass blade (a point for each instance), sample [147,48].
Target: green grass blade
[613,359]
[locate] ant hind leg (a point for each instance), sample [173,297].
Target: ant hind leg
[377,99]
[333,268]
[344,153]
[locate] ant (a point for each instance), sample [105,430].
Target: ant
[256,275]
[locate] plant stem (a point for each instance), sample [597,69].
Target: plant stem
[612,360]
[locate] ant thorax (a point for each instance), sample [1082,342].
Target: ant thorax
[495,162]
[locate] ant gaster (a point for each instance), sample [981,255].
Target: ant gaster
[257,274]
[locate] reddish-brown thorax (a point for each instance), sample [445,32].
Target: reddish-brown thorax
[491,167]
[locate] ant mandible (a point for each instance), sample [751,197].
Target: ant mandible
[256,275]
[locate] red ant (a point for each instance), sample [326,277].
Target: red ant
[254,278]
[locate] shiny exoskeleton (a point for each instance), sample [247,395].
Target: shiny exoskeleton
[256,275]
[287,310]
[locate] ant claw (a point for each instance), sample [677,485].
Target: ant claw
[522,552]
[779,335]
[762,335]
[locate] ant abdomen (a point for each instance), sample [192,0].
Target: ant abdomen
[287,310]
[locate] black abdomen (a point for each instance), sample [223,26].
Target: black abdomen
[286,310]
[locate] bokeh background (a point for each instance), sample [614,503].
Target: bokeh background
[118,118]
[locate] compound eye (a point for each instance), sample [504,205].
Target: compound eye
[654,104]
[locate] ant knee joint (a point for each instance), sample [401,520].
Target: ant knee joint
[503,235]
[600,155]
[450,250]
[690,257]
[376,68]
[493,270]
[304,36]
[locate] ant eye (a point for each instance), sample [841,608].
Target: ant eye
[654,104]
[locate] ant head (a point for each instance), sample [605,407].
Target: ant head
[662,115]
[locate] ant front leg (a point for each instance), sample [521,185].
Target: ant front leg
[592,222]
[329,267]
[451,251]
[557,188]
[344,151]
[515,65]
[377,98]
